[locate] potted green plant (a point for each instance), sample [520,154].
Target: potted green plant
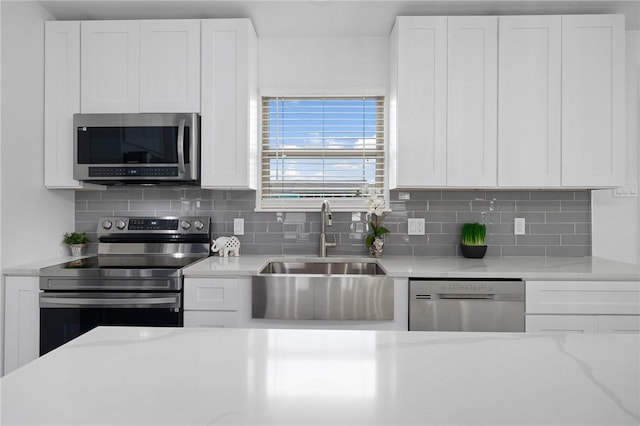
[472,243]
[77,241]
[374,241]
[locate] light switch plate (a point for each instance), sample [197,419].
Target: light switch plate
[519,226]
[238,226]
[416,226]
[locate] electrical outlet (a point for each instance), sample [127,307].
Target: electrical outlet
[415,226]
[238,226]
[519,226]
[629,190]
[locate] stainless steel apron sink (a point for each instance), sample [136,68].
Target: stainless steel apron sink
[322,290]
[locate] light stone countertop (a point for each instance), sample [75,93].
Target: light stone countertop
[528,268]
[33,268]
[194,376]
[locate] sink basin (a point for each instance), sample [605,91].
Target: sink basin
[323,268]
[322,290]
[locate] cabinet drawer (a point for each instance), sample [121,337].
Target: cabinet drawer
[211,319]
[211,294]
[583,297]
[619,324]
[561,324]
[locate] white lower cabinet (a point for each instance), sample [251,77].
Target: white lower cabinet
[561,324]
[21,321]
[619,324]
[211,302]
[211,319]
[583,306]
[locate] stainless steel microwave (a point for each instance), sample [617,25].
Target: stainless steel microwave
[136,148]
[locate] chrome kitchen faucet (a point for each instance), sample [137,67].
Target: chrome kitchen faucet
[325,219]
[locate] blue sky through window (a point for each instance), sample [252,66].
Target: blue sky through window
[323,146]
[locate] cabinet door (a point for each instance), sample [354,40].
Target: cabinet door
[561,324]
[218,294]
[593,100]
[110,66]
[170,66]
[529,102]
[418,104]
[229,104]
[61,101]
[22,322]
[472,116]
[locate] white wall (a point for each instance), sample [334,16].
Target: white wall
[1,277]
[33,218]
[616,227]
[323,66]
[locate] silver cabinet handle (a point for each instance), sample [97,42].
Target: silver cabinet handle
[180,142]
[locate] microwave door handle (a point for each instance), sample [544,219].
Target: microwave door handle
[180,143]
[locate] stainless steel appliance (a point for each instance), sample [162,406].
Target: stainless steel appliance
[317,290]
[135,279]
[466,305]
[136,148]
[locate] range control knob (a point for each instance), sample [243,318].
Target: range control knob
[107,224]
[121,224]
[185,225]
[198,225]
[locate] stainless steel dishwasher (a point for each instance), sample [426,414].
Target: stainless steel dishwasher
[466,305]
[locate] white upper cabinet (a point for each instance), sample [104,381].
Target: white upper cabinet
[593,100]
[140,66]
[229,104]
[170,66]
[418,102]
[472,101]
[529,101]
[110,74]
[61,101]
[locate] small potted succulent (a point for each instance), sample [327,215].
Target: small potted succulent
[77,241]
[472,243]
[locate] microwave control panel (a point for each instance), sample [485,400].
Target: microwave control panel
[132,171]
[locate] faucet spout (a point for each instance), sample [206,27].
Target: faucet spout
[326,220]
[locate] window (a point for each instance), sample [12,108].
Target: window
[316,148]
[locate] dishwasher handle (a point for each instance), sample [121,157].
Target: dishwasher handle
[469,297]
[454,296]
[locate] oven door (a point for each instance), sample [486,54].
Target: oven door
[66,315]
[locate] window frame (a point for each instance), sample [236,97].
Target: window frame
[314,204]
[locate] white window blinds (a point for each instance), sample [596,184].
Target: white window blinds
[321,148]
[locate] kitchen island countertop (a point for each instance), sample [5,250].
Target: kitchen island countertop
[192,376]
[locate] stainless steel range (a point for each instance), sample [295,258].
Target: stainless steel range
[135,279]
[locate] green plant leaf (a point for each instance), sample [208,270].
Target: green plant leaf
[76,238]
[369,240]
[473,234]
[381,231]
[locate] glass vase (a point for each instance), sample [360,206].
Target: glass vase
[376,248]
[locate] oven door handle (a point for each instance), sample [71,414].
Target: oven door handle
[180,146]
[101,302]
